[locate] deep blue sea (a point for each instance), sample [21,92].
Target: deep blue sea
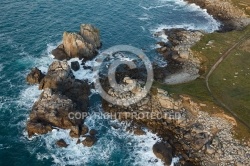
[29,30]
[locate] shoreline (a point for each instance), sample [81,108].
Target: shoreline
[232,17]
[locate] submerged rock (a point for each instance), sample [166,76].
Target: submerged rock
[61,143]
[93,132]
[89,141]
[75,65]
[35,76]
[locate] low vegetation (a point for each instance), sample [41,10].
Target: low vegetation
[230,82]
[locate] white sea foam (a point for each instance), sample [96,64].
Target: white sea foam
[182,5]
[28,96]
[145,17]
[139,148]
[107,145]
[46,59]
[164,3]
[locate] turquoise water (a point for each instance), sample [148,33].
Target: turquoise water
[30,30]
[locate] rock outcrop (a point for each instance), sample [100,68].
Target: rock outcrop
[163,151]
[35,76]
[81,45]
[229,14]
[182,66]
[59,53]
[75,65]
[91,35]
[62,95]
[198,137]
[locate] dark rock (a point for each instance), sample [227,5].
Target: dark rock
[89,141]
[61,143]
[35,76]
[75,65]
[78,141]
[59,53]
[60,78]
[93,132]
[139,131]
[58,72]
[74,132]
[84,130]
[163,151]
[87,67]
[37,128]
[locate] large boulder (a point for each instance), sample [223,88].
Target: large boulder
[91,34]
[76,46]
[75,65]
[35,127]
[59,53]
[51,109]
[35,76]
[61,143]
[163,151]
[89,141]
[58,72]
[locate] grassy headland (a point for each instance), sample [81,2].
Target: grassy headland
[230,82]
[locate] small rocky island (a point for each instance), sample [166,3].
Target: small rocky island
[62,93]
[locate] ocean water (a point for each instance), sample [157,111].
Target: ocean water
[30,30]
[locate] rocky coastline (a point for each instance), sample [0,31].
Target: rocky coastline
[183,65]
[187,132]
[232,17]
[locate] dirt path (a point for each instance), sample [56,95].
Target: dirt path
[214,67]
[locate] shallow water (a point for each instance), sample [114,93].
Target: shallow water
[30,30]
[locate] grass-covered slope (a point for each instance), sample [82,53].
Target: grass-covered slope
[229,83]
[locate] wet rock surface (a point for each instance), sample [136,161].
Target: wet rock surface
[75,65]
[61,143]
[89,141]
[163,151]
[35,76]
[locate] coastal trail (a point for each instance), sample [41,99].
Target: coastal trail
[215,66]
